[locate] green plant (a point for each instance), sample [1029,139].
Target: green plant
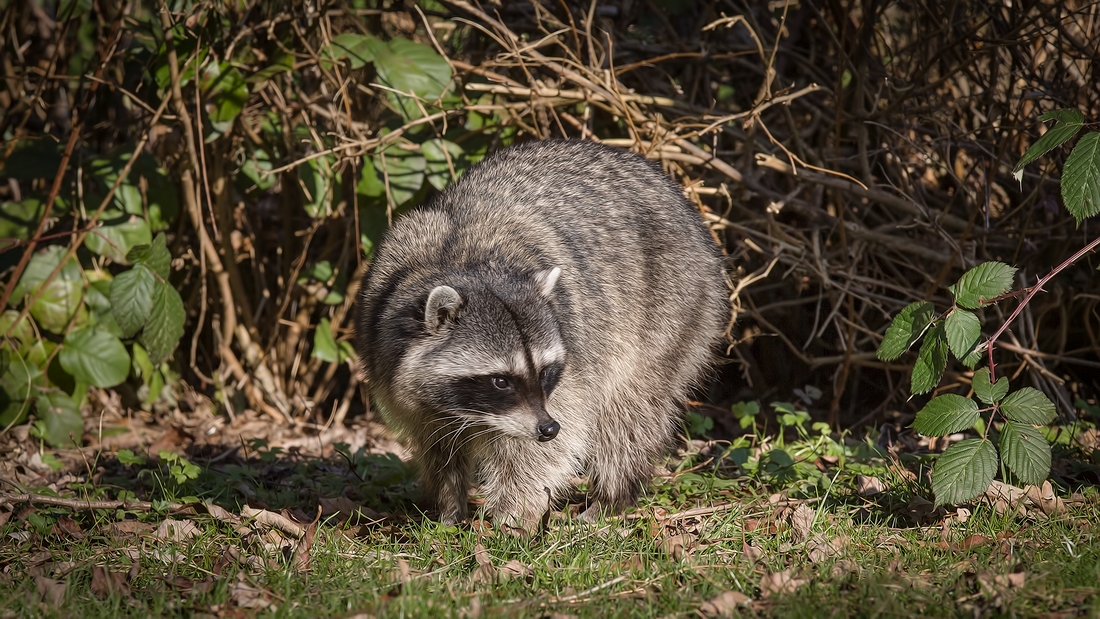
[1014,420]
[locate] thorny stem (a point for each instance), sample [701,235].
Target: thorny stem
[1034,290]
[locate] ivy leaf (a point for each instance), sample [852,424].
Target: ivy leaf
[132,298]
[22,336]
[60,418]
[931,361]
[165,326]
[324,344]
[226,91]
[1067,123]
[409,67]
[1081,178]
[963,331]
[61,298]
[986,392]
[946,414]
[964,471]
[402,170]
[18,385]
[440,157]
[316,180]
[359,49]
[95,357]
[1029,405]
[905,329]
[1025,452]
[982,283]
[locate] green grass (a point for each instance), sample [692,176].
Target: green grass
[408,566]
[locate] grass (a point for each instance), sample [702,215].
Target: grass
[875,557]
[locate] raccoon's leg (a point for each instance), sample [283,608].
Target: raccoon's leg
[524,479]
[445,480]
[622,461]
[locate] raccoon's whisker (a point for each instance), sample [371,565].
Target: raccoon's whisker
[455,448]
[451,419]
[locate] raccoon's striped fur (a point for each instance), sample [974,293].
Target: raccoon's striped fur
[541,318]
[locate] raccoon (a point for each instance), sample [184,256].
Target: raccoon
[542,317]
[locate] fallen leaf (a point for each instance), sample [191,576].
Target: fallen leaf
[176,530]
[751,553]
[172,440]
[724,604]
[301,559]
[869,486]
[845,567]
[484,572]
[919,508]
[220,513]
[820,547]
[50,591]
[247,596]
[676,546]
[515,569]
[1045,499]
[66,526]
[106,583]
[123,528]
[271,519]
[802,518]
[779,583]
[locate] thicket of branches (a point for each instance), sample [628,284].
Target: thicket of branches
[852,156]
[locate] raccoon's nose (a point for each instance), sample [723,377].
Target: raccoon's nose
[548,430]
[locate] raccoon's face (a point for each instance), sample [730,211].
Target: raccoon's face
[489,359]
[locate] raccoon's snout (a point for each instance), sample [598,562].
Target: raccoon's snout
[548,430]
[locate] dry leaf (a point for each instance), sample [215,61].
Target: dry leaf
[176,530]
[247,596]
[676,546]
[301,551]
[105,583]
[50,591]
[515,569]
[1045,499]
[220,513]
[751,553]
[271,519]
[779,583]
[820,548]
[724,604]
[919,508]
[172,440]
[869,486]
[484,572]
[802,518]
[845,567]
[128,527]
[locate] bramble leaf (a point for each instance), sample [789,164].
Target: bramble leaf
[964,471]
[905,329]
[986,392]
[132,298]
[1081,178]
[1068,123]
[963,331]
[165,326]
[1029,405]
[1025,452]
[931,361]
[946,414]
[982,283]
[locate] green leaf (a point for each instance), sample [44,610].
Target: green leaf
[61,298]
[154,255]
[22,335]
[165,326]
[347,351]
[369,184]
[19,384]
[60,422]
[415,68]
[1068,123]
[402,170]
[282,64]
[984,282]
[906,329]
[114,241]
[226,91]
[324,344]
[974,357]
[441,156]
[1081,178]
[316,180]
[985,391]
[359,49]
[1029,405]
[132,298]
[964,471]
[18,220]
[963,331]
[931,361]
[95,357]
[946,414]
[1025,452]
[125,456]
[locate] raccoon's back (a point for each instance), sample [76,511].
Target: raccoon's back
[641,277]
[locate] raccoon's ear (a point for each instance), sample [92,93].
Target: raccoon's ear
[443,304]
[546,280]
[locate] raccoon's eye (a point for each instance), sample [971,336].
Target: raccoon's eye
[500,382]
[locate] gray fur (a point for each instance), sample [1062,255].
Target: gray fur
[546,253]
